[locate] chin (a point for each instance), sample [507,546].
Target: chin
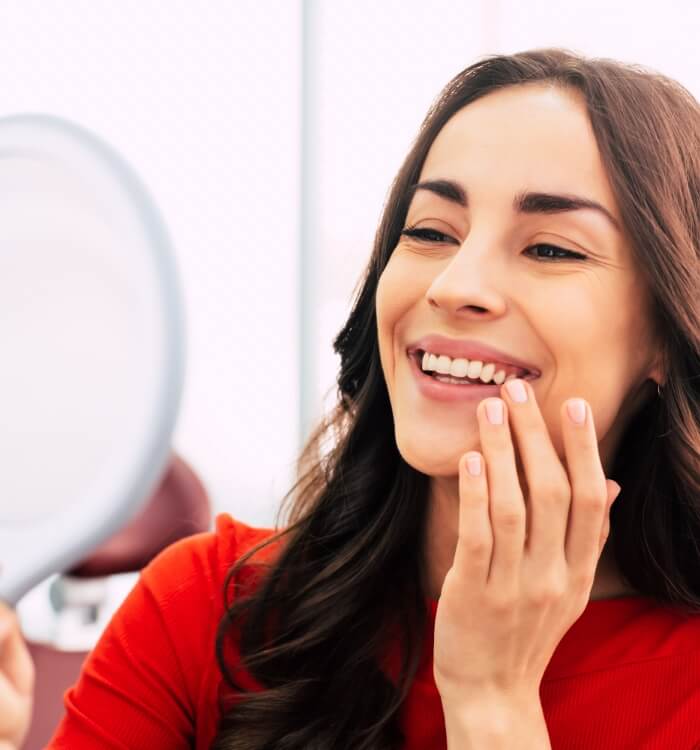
[431,455]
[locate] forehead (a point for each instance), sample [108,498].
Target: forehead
[533,136]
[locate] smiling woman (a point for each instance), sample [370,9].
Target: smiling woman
[583,317]
[450,564]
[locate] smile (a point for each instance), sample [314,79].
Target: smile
[443,387]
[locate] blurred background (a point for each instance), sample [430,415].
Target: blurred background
[268,133]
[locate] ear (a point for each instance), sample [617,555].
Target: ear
[658,371]
[657,357]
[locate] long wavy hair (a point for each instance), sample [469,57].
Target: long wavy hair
[348,579]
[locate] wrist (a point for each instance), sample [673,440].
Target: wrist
[496,724]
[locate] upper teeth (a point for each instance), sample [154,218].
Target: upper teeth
[474,369]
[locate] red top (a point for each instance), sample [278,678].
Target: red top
[626,676]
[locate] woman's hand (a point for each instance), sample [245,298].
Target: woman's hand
[16,682]
[524,565]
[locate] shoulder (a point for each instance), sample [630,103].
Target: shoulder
[179,600]
[151,678]
[641,657]
[199,563]
[613,635]
[179,595]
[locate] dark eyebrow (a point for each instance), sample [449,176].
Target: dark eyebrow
[526,202]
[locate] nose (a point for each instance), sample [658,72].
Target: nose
[472,282]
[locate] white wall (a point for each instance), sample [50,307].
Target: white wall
[203,98]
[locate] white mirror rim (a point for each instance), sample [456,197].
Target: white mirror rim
[92,331]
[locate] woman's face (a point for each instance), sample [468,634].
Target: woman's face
[487,273]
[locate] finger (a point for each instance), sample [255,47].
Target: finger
[15,661]
[603,537]
[588,490]
[549,491]
[506,502]
[475,539]
[613,492]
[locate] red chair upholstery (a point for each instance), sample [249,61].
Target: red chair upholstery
[178,508]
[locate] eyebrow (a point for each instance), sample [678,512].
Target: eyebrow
[525,202]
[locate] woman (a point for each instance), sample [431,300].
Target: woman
[542,234]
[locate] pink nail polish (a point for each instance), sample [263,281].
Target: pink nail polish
[494,411]
[516,390]
[474,464]
[577,410]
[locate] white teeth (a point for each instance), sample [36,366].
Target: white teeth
[443,364]
[487,372]
[458,368]
[462,368]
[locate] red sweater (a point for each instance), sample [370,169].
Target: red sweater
[626,676]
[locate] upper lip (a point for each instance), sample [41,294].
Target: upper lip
[470,350]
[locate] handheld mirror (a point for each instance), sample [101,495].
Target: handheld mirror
[91,347]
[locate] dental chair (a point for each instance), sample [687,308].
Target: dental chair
[79,602]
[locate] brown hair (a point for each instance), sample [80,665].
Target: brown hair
[348,578]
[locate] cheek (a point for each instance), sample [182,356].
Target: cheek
[386,317]
[396,298]
[396,294]
[573,331]
[402,283]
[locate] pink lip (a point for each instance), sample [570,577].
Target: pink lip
[454,348]
[434,389]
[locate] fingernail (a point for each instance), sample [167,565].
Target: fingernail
[516,390]
[494,411]
[577,410]
[474,464]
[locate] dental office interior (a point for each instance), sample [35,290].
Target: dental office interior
[190,195]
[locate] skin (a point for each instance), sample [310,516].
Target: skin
[17,677]
[585,324]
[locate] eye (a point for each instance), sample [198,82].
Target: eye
[553,252]
[422,234]
[568,254]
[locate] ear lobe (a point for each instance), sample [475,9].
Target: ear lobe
[659,368]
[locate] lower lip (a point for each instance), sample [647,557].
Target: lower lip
[432,388]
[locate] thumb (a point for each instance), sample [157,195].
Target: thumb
[16,664]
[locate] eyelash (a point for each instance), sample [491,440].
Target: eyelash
[421,232]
